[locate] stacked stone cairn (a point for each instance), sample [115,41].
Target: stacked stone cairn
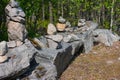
[84,25]
[17,32]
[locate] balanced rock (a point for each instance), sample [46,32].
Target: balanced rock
[16,31]
[60,26]
[81,22]
[61,20]
[51,29]
[14,12]
[3,48]
[86,26]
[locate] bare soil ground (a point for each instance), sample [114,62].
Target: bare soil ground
[102,63]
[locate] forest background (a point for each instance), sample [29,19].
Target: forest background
[39,13]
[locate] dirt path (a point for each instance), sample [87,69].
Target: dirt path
[102,63]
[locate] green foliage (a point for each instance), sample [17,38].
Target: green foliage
[72,10]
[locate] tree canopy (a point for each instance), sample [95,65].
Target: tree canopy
[40,12]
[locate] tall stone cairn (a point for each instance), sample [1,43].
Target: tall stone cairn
[15,22]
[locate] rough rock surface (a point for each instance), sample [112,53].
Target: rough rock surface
[19,61]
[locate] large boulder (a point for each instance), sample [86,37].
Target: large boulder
[52,62]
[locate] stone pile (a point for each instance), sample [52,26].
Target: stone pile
[15,23]
[84,25]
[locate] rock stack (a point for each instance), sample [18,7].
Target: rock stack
[15,23]
[84,25]
[3,51]
[81,22]
[61,24]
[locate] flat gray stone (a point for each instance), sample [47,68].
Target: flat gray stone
[57,37]
[52,44]
[11,44]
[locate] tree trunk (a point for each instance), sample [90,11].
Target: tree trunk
[50,12]
[58,9]
[112,9]
[103,14]
[43,10]
[62,9]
